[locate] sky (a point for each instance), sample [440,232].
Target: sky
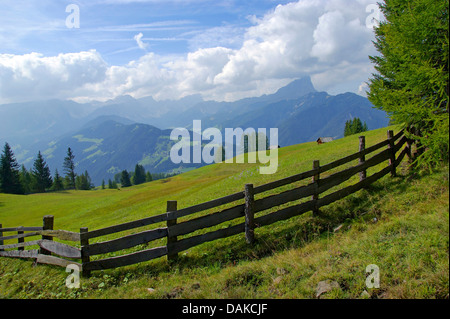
[223,50]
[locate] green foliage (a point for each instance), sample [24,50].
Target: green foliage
[57,182]
[139,175]
[9,172]
[41,174]
[26,180]
[69,169]
[411,83]
[125,179]
[354,126]
[112,184]
[83,182]
[400,221]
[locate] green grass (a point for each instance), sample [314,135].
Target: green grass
[399,224]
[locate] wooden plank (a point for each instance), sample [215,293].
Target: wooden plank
[21,240]
[398,135]
[399,145]
[285,213]
[61,234]
[401,156]
[20,254]
[187,243]
[52,260]
[207,221]
[315,181]
[60,249]
[47,224]
[84,242]
[391,147]
[362,159]
[1,235]
[125,226]
[14,229]
[20,236]
[28,243]
[249,212]
[352,189]
[171,238]
[125,242]
[206,205]
[284,181]
[284,197]
[352,157]
[125,260]
[342,176]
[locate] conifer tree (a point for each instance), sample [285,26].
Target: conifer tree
[26,180]
[9,172]
[69,169]
[411,79]
[57,182]
[139,175]
[354,126]
[125,179]
[41,174]
[83,182]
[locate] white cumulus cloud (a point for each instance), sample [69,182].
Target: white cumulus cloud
[328,40]
[138,39]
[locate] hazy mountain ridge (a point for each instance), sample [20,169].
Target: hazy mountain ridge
[106,137]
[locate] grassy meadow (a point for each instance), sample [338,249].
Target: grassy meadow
[400,224]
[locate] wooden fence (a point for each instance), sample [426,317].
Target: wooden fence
[243,211]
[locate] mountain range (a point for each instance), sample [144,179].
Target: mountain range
[110,136]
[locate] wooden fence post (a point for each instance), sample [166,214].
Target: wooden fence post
[362,159]
[390,137]
[20,240]
[84,252]
[48,222]
[249,214]
[315,180]
[1,235]
[171,207]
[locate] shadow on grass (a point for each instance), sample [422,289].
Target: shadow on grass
[301,230]
[292,233]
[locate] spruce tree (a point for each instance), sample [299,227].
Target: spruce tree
[69,169]
[83,182]
[41,174]
[9,172]
[26,180]
[354,126]
[125,179]
[57,182]
[411,79]
[139,175]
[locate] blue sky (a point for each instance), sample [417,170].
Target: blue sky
[222,49]
[168,26]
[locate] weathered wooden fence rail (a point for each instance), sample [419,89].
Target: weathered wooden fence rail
[244,212]
[47,246]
